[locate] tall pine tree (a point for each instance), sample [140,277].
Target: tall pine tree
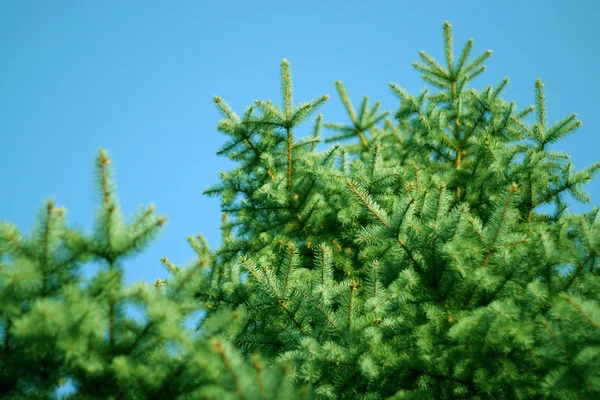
[413,261]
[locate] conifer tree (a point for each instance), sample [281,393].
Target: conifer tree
[415,262]
[56,327]
[411,261]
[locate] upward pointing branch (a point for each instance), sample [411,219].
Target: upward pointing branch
[103,162]
[286,88]
[346,100]
[448,46]
[540,103]
[350,108]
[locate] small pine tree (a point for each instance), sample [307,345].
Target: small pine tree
[414,262]
[56,328]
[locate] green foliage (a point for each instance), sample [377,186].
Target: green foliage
[412,263]
[55,327]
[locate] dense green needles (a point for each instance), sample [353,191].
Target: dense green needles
[412,262]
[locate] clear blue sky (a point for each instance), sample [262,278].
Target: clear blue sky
[137,78]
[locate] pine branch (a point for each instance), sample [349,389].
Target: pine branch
[290,141]
[411,256]
[46,239]
[557,342]
[369,203]
[346,100]
[289,267]
[329,321]
[577,307]
[218,348]
[448,46]
[540,103]
[286,87]
[578,271]
[490,247]
[433,67]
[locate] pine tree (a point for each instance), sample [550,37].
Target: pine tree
[56,327]
[414,261]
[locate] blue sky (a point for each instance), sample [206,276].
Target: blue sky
[138,77]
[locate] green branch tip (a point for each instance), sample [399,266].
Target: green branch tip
[102,157]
